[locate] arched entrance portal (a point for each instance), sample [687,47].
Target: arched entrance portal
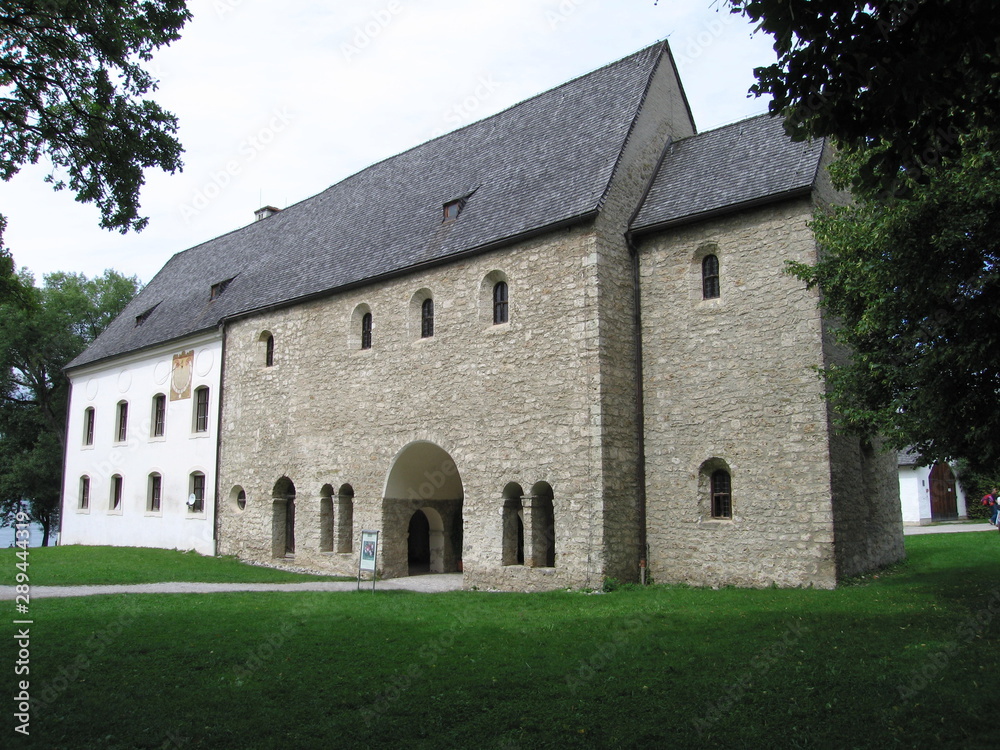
[422,513]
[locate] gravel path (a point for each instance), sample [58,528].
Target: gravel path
[424,583]
[948,527]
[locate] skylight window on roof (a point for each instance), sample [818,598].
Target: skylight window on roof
[218,289]
[143,317]
[452,209]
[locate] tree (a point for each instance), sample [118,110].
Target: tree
[71,88]
[915,286]
[37,340]
[901,79]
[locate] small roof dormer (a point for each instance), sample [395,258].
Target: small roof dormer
[262,213]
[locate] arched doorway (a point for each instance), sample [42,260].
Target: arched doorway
[944,502]
[418,544]
[422,513]
[283,518]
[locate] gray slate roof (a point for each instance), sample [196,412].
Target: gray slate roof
[543,162]
[739,165]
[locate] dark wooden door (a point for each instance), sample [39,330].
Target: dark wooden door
[944,504]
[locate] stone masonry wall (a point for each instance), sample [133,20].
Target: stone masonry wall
[731,383]
[664,115]
[510,405]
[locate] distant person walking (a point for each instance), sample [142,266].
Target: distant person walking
[992,501]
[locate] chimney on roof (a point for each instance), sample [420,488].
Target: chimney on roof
[263,213]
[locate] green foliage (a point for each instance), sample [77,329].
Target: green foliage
[42,331]
[902,660]
[977,483]
[912,76]
[915,287]
[73,86]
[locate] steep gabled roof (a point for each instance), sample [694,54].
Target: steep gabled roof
[736,166]
[542,163]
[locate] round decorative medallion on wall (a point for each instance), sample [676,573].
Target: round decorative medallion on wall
[161,371]
[203,362]
[92,387]
[124,381]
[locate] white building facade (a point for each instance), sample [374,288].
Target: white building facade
[141,449]
[929,493]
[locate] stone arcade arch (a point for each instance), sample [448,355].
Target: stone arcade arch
[422,512]
[283,518]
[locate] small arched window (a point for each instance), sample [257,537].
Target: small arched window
[121,428]
[196,497]
[159,420]
[155,493]
[710,277]
[722,498]
[269,351]
[366,331]
[427,318]
[201,409]
[500,310]
[88,426]
[84,503]
[116,492]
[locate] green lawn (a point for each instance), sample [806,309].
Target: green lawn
[901,660]
[77,566]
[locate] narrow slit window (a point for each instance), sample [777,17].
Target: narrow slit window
[84,493]
[269,351]
[427,319]
[122,427]
[500,308]
[116,492]
[88,426]
[366,331]
[710,277]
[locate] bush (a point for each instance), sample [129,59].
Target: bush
[976,484]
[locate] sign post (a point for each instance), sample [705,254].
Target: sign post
[369,554]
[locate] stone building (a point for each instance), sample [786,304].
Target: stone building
[554,346]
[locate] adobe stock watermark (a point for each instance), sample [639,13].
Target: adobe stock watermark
[606,652]
[465,111]
[89,656]
[252,146]
[697,44]
[403,680]
[972,627]
[760,665]
[223,8]
[364,34]
[566,9]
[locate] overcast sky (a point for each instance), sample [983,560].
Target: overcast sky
[278,101]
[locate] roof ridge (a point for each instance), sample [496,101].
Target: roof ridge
[653,69]
[451,133]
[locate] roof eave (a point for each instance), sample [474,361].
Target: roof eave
[468,253]
[799,192]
